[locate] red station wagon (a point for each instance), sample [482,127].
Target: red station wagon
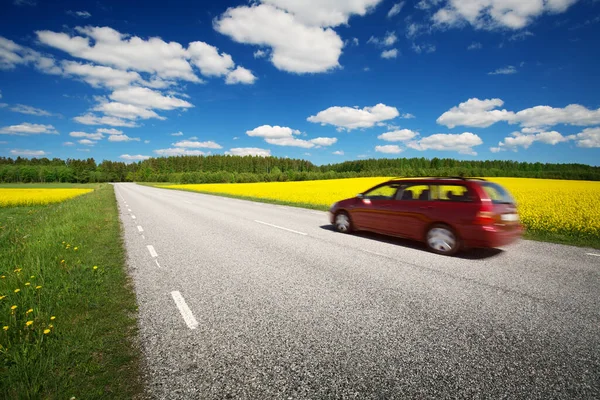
[448,214]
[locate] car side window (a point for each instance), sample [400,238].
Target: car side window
[415,192]
[454,193]
[385,192]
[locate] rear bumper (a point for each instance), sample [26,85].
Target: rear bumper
[492,236]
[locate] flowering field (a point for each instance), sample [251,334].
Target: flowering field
[29,197]
[555,207]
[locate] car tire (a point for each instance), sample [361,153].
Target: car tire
[441,239]
[342,222]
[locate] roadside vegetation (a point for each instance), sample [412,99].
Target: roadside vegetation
[552,210]
[67,310]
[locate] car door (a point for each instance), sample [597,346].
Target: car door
[411,211]
[453,204]
[373,211]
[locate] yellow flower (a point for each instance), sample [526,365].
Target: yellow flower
[28,323]
[13,308]
[46,331]
[29,311]
[3,277]
[17,290]
[32,276]
[5,328]
[64,242]
[1,297]
[18,270]
[27,284]
[50,326]
[62,261]
[95,267]
[38,287]
[52,318]
[75,248]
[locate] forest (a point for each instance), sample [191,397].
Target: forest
[238,169]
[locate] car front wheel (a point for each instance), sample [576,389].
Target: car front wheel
[343,223]
[441,239]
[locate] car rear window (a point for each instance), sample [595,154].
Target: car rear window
[497,193]
[451,193]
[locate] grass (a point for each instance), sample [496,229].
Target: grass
[50,185]
[90,349]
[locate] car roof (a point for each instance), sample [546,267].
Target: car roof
[439,179]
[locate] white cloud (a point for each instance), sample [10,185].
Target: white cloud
[240,75]
[520,36]
[324,141]
[496,14]
[86,142]
[475,113]
[177,134]
[110,131]
[191,144]
[338,153]
[23,109]
[423,48]
[387,54]
[260,53]
[401,135]
[353,118]
[395,10]
[389,149]
[28,153]
[355,42]
[27,128]
[68,144]
[208,59]
[12,55]
[137,157]
[290,141]
[588,138]
[84,150]
[148,98]
[407,116]
[193,138]
[126,111]
[91,119]
[462,143]
[527,137]
[388,40]
[179,152]
[295,47]
[146,141]
[475,46]
[273,132]
[509,70]
[99,75]
[92,136]
[573,114]
[79,14]
[122,138]
[249,151]
[414,29]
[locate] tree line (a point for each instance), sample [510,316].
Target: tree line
[241,169]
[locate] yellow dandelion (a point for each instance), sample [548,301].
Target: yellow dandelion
[32,276]
[27,284]
[64,242]
[62,261]
[50,326]
[18,270]
[38,287]
[95,267]
[3,277]
[13,308]
[5,328]
[46,331]
[28,323]
[52,318]
[2,297]
[17,290]
[29,311]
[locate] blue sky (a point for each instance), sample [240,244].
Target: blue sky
[324,80]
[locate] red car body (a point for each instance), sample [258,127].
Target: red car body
[469,212]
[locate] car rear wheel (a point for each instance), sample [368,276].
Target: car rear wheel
[441,239]
[343,223]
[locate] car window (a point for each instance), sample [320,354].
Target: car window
[497,193]
[415,192]
[451,193]
[385,192]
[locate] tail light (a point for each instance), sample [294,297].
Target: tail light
[484,218]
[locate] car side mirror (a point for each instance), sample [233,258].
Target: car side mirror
[360,195]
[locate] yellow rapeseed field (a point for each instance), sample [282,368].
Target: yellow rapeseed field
[545,205]
[30,197]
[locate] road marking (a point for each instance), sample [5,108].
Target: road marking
[133,216]
[185,311]
[152,251]
[140,229]
[129,209]
[157,264]
[373,252]
[143,237]
[280,227]
[592,254]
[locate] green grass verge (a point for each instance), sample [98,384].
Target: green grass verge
[49,185]
[90,351]
[551,237]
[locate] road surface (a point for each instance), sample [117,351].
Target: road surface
[246,300]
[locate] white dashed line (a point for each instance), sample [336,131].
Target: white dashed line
[129,209]
[140,229]
[157,264]
[592,254]
[152,251]
[185,311]
[133,216]
[280,227]
[373,252]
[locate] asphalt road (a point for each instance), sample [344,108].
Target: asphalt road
[245,300]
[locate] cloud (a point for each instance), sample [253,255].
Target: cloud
[407,116]
[284,136]
[509,70]
[387,54]
[101,76]
[240,75]
[401,135]
[475,113]
[475,46]
[146,141]
[29,153]
[148,98]
[496,14]
[27,128]
[68,144]
[110,131]
[208,60]
[324,141]
[462,143]
[395,10]
[520,36]
[338,153]
[526,138]
[388,40]
[588,138]
[191,144]
[91,119]
[126,111]
[25,2]
[92,136]
[122,138]
[179,152]
[177,134]
[23,109]
[350,118]
[423,48]
[389,149]
[79,14]
[138,157]
[86,142]
[12,55]
[249,151]
[483,113]
[260,53]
